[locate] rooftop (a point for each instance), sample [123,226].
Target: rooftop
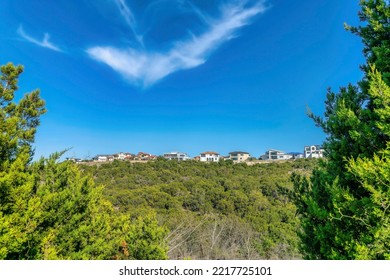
[210,153]
[238,152]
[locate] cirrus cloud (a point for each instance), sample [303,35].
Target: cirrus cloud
[45,43]
[143,67]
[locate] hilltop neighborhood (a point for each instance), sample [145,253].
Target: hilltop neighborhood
[313,151]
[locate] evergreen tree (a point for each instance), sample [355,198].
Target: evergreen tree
[18,121]
[375,36]
[51,210]
[343,207]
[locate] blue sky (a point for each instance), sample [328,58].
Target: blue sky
[180,75]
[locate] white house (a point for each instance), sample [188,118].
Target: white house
[123,156]
[298,156]
[179,156]
[239,156]
[76,160]
[209,157]
[120,156]
[103,158]
[314,151]
[275,155]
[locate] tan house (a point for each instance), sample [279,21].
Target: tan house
[239,156]
[145,156]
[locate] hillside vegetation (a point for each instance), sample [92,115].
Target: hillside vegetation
[213,211]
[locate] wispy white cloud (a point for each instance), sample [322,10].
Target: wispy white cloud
[144,68]
[129,18]
[45,43]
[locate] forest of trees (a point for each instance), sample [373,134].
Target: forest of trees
[212,210]
[335,208]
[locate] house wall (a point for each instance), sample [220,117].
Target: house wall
[176,156]
[314,151]
[102,158]
[275,155]
[209,157]
[239,157]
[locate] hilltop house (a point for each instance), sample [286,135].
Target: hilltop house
[275,155]
[179,156]
[103,158]
[314,151]
[124,156]
[76,160]
[296,155]
[239,156]
[145,156]
[209,157]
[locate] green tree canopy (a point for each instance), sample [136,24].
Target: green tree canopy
[343,207]
[18,121]
[375,35]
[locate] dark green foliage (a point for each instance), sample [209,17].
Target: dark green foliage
[343,207]
[213,210]
[375,36]
[18,121]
